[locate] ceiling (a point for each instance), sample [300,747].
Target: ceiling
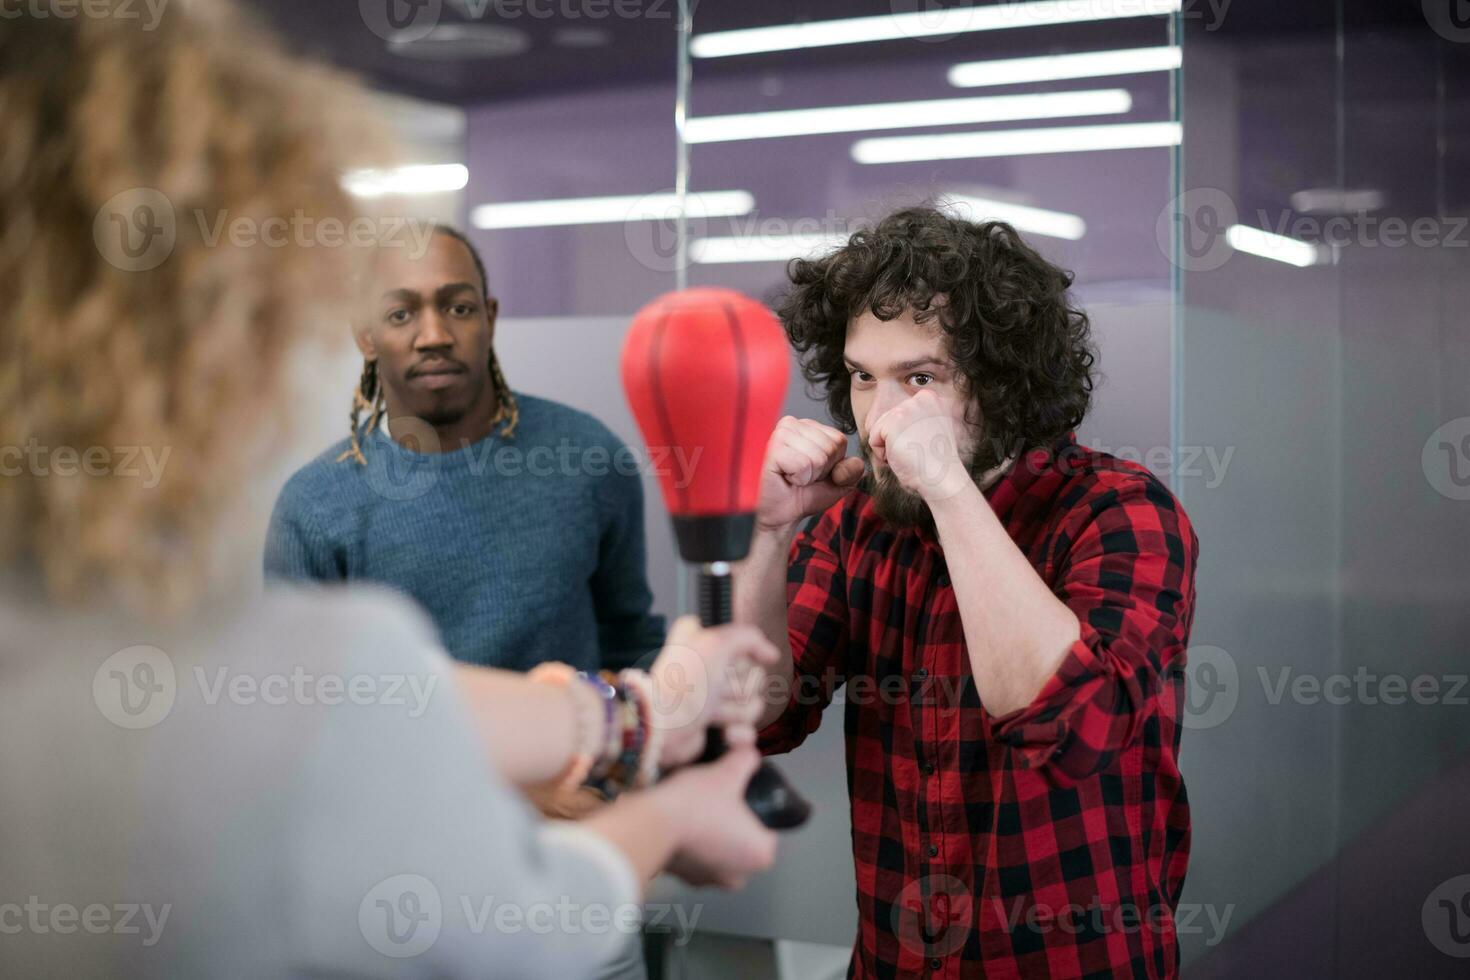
[548,46]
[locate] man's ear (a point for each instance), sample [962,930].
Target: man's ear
[363,337]
[492,310]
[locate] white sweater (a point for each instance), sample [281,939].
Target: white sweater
[287,788]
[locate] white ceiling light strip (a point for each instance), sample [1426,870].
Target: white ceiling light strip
[434,178]
[1016,142]
[1278,248]
[1036,221]
[921,24]
[610,210]
[903,115]
[738,249]
[1051,68]
[763,248]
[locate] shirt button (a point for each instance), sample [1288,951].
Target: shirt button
[935,964]
[921,673]
[927,768]
[933,850]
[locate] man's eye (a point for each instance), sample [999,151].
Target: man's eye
[398,317]
[461,309]
[921,380]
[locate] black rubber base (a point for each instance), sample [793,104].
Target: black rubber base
[768,794]
[723,537]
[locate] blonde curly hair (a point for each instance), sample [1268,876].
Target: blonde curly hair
[111,342]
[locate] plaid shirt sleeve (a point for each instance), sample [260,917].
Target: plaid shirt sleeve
[1128,574]
[817,627]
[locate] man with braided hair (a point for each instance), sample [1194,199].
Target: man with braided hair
[515,521]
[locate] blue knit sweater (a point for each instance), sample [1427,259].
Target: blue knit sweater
[522,550]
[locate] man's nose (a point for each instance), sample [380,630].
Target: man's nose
[433,333]
[887,395]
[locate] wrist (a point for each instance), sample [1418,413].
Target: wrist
[667,801]
[680,745]
[955,494]
[777,536]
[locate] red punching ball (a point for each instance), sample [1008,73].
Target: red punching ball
[705,371]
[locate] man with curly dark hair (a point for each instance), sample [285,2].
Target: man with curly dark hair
[1008,609]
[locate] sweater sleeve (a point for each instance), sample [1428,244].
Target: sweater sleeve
[296,546]
[628,631]
[414,858]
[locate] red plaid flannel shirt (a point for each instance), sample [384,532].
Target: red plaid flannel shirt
[1050,842]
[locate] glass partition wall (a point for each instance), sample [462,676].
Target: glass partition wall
[1324,352]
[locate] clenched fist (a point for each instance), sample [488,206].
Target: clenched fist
[807,470]
[925,446]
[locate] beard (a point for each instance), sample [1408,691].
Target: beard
[901,507]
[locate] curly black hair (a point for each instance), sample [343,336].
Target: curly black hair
[1024,350]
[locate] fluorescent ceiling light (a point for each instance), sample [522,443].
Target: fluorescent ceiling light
[1016,142]
[436,178]
[1267,245]
[922,23]
[1037,221]
[1090,64]
[605,210]
[1327,200]
[763,248]
[901,115]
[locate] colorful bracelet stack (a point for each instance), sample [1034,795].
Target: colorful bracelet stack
[618,743]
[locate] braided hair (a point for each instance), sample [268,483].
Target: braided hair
[369,394]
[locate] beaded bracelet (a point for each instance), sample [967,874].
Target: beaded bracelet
[620,771]
[618,740]
[594,718]
[642,685]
